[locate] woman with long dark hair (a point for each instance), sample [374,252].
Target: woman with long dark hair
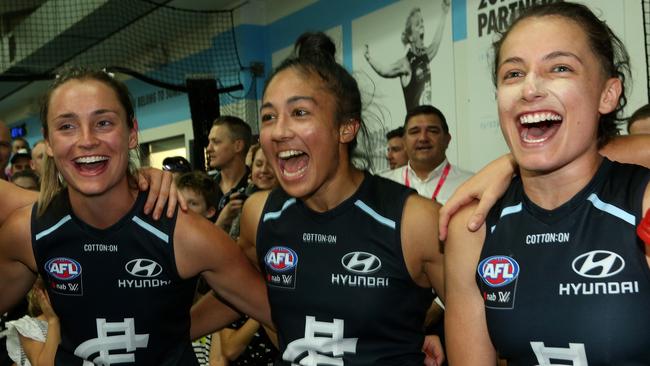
[349,258]
[558,272]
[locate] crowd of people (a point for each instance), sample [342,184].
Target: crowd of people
[292,255]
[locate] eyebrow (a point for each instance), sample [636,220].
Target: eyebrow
[550,56]
[557,54]
[94,113]
[103,111]
[293,99]
[512,60]
[298,98]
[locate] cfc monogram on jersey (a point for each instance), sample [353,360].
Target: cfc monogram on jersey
[118,295]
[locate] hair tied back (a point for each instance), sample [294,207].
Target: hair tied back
[316,46]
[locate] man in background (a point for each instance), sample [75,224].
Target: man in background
[395,152]
[426,138]
[20,161]
[228,143]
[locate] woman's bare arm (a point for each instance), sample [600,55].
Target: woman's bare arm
[17,263]
[13,197]
[202,248]
[467,338]
[630,149]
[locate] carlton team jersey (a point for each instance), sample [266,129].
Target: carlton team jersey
[116,291]
[338,285]
[569,286]
[418,90]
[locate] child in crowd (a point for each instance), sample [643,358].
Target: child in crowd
[34,338]
[200,192]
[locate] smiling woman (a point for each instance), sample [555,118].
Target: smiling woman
[340,249]
[559,249]
[107,266]
[86,141]
[311,114]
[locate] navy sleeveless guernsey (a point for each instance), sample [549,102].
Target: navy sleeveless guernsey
[569,286]
[117,292]
[339,288]
[418,90]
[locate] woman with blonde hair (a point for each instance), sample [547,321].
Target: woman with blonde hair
[121,283]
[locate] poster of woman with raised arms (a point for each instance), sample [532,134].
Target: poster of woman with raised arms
[412,69]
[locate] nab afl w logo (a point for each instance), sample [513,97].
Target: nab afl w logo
[598,264]
[64,276]
[361,262]
[281,259]
[143,268]
[498,270]
[281,267]
[63,268]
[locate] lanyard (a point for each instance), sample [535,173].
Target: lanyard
[441,181]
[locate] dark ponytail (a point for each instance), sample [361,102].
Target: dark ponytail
[315,46]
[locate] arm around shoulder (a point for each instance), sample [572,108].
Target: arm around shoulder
[468,340]
[13,197]
[630,149]
[487,186]
[17,263]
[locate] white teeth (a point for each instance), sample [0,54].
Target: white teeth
[90,159]
[534,141]
[539,117]
[289,154]
[294,174]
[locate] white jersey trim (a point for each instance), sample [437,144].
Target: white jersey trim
[276,214]
[162,236]
[611,209]
[379,218]
[54,227]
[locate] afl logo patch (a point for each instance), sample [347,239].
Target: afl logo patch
[63,268]
[281,259]
[498,270]
[281,266]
